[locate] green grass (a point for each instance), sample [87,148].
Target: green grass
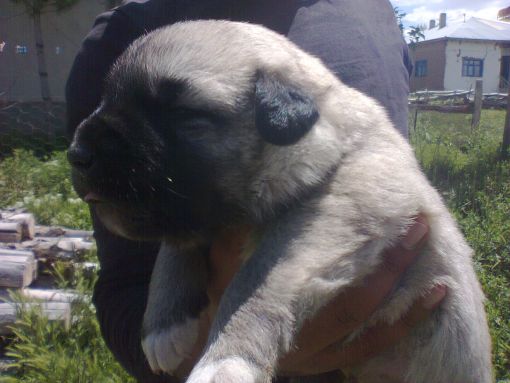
[464,165]
[461,163]
[43,186]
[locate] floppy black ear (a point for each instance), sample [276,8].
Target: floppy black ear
[283,114]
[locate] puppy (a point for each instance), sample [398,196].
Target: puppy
[206,125]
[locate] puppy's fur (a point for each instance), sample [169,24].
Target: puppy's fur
[209,124]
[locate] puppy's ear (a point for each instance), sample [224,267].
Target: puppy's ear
[283,114]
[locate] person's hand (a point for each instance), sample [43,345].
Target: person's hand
[316,351]
[225,260]
[317,348]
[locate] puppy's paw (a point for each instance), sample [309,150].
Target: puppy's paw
[231,370]
[165,349]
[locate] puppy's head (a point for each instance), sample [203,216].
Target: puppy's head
[202,123]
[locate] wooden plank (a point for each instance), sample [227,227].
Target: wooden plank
[446,108]
[15,252]
[54,311]
[53,249]
[74,245]
[16,274]
[50,295]
[41,247]
[41,295]
[442,92]
[10,231]
[27,221]
[17,268]
[56,231]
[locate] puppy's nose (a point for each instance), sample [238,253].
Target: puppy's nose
[80,157]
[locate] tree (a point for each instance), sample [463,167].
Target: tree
[34,8]
[416,33]
[399,15]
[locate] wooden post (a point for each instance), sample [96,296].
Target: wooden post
[477,110]
[506,132]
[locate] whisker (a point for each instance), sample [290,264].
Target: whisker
[176,193]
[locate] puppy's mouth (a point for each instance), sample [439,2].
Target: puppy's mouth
[126,220]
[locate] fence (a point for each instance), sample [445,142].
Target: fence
[461,101]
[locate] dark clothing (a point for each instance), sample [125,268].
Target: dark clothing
[357,40]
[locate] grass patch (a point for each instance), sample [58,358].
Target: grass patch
[43,186]
[464,165]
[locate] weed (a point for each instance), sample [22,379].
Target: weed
[465,166]
[47,352]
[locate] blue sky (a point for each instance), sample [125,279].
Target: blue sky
[421,11]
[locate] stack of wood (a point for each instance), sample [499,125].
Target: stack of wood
[27,252]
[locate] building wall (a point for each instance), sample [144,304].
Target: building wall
[457,49]
[62,36]
[434,53]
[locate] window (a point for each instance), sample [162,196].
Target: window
[421,68]
[472,67]
[21,49]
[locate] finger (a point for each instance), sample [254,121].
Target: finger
[353,307]
[373,341]
[187,364]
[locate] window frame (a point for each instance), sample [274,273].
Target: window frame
[421,68]
[472,67]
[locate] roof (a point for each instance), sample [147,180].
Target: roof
[504,13]
[473,29]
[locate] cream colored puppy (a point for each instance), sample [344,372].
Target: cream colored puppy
[208,124]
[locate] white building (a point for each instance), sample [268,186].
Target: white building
[453,57]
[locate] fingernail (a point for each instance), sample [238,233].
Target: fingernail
[415,234]
[434,296]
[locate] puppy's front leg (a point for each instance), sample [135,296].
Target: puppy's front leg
[269,298]
[177,295]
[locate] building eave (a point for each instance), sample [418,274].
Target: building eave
[479,40]
[440,39]
[423,42]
